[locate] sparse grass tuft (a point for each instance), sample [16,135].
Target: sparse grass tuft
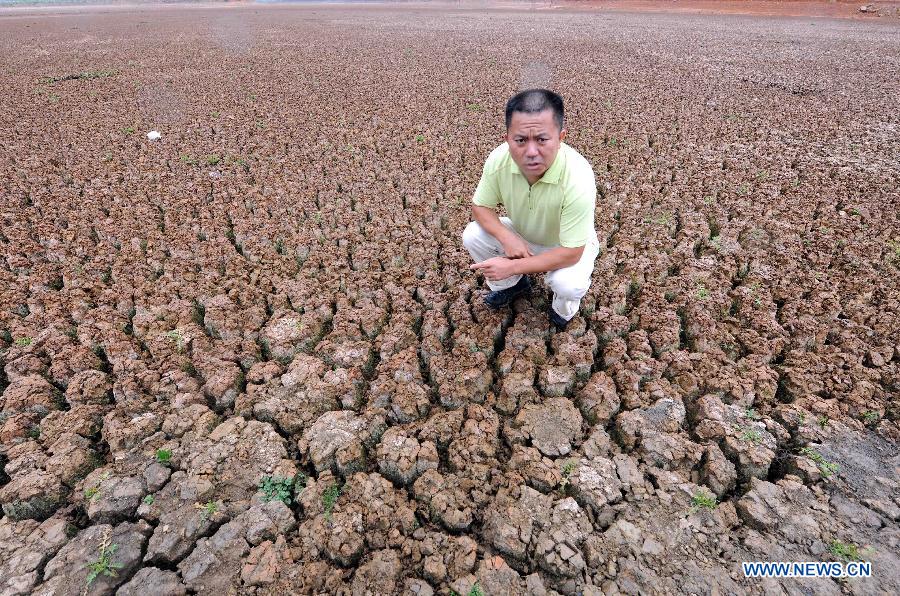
[567,470]
[476,590]
[23,342]
[702,500]
[207,510]
[845,551]
[277,488]
[212,160]
[164,457]
[329,499]
[104,564]
[475,107]
[826,468]
[871,416]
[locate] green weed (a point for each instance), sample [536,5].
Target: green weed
[149,499]
[104,565]
[702,500]
[845,551]
[826,468]
[23,342]
[567,470]
[164,457]
[277,488]
[208,509]
[871,416]
[329,499]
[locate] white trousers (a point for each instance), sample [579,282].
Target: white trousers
[569,284]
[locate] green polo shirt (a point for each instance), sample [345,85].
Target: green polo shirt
[558,210]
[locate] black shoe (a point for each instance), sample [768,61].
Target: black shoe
[558,322]
[501,298]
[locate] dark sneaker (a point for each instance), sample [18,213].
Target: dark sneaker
[501,298]
[558,322]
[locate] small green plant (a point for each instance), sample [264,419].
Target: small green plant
[826,468]
[129,130]
[149,499]
[475,107]
[329,499]
[749,434]
[207,510]
[871,416]
[567,470]
[420,138]
[703,500]
[92,493]
[176,336]
[212,160]
[164,457]
[822,421]
[751,414]
[34,432]
[104,565]
[276,488]
[702,292]
[23,342]
[214,114]
[476,590]
[189,159]
[845,551]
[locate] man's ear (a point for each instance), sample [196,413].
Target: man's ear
[562,134]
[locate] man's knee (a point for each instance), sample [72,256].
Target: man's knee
[471,234]
[569,287]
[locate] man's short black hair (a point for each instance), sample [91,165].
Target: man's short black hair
[532,101]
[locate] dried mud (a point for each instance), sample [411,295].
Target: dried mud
[277,289]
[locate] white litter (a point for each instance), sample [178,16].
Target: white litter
[153,135]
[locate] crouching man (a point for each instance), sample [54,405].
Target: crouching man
[549,194]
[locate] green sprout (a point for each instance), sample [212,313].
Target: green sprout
[149,499]
[189,159]
[212,160]
[749,434]
[104,565]
[164,457]
[23,342]
[751,414]
[476,590]
[329,499]
[129,130]
[475,107]
[420,138]
[871,416]
[92,493]
[826,468]
[567,470]
[276,488]
[845,551]
[823,421]
[702,292]
[208,509]
[702,500]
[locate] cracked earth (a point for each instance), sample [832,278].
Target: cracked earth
[249,357]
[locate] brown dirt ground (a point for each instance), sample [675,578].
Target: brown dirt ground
[249,357]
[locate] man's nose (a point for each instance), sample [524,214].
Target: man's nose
[531,149]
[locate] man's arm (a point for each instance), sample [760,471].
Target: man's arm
[555,258]
[514,245]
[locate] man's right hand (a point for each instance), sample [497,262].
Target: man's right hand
[515,247]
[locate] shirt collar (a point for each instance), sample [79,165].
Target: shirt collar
[551,176]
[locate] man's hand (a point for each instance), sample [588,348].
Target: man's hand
[515,247]
[496,268]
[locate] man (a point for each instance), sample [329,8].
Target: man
[549,193]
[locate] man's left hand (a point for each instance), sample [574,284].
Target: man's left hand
[496,268]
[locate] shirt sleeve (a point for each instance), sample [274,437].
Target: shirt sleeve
[576,222]
[487,193]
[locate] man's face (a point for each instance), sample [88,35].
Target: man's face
[534,142]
